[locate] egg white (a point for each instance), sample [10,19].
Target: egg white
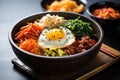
[43,42]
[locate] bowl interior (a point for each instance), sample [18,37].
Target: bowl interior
[97,29]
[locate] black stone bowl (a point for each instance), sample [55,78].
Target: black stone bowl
[44,64]
[45,3]
[106,24]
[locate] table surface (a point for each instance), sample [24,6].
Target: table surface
[11,11]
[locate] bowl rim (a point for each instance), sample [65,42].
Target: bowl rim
[103,3]
[57,57]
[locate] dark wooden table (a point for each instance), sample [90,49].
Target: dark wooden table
[12,11]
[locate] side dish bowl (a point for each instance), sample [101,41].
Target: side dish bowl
[106,23]
[62,64]
[56,5]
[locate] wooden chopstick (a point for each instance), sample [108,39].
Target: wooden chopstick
[109,51]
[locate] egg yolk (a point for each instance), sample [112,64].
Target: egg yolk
[55,34]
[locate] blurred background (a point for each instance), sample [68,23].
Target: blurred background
[11,11]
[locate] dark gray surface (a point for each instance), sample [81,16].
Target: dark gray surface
[12,11]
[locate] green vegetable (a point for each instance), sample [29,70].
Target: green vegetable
[54,52]
[79,28]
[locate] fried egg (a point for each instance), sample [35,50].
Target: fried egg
[57,37]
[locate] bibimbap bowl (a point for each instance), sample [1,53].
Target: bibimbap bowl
[47,60]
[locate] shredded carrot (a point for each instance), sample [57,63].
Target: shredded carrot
[27,38]
[30,45]
[31,30]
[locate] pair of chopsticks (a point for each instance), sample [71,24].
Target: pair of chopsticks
[109,51]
